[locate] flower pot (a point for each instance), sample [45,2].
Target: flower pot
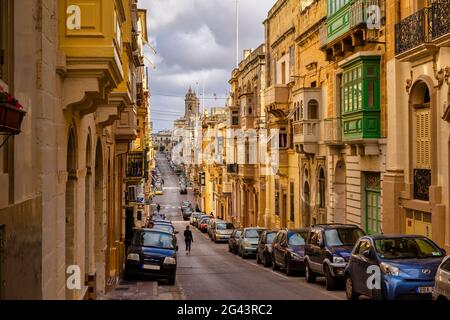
[10,119]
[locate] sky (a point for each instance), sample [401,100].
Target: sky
[195,42]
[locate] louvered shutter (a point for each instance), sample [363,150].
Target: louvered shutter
[423,138]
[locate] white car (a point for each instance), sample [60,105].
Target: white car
[441,289]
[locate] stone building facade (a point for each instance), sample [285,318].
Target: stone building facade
[62,177]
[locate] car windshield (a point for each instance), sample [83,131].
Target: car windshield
[270,237]
[342,236]
[407,248]
[154,239]
[297,238]
[163,227]
[224,226]
[204,221]
[252,233]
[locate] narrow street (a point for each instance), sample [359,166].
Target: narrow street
[211,272]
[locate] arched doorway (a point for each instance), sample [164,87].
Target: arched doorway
[99,221]
[339,192]
[87,210]
[70,205]
[306,205]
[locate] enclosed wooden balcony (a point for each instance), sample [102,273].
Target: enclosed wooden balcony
[332,131]
[90,54]
[126,127]
[247,171]
[307,136]
[276,100]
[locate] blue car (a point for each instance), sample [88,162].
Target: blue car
[393,267]
[152,252]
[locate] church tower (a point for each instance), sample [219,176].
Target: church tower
[191,104]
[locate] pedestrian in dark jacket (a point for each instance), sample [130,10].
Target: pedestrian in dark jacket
[188,239]
[158,207]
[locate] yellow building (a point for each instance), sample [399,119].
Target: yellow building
[416,183]
[64,178]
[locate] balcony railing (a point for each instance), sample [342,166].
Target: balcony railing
[135,164]
[440,18]
[413,31]
[333,131]
[306,131]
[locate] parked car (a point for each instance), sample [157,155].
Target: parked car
[407,267]
[187,213]
[211,226]
[442,281]
[194,216]
[185,204]
[222,231]
[233,241]
[203,224]
[288,250]
[152,252]
[248,241]
[164,227]
[327,251]
[264,249]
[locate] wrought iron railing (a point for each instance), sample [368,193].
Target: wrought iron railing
[422,182]
[232,168]
[414,30]
[135,164]
[440,18]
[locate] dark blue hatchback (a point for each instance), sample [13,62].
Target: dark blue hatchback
[393,267]
[153,253]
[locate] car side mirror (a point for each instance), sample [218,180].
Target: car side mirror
[368,254]
[176,248]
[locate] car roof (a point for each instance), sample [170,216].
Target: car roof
[393,236]
[334,226]
[298,230]
[154,230]
[257,228]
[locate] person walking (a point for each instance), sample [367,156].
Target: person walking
[188,239]
[158,207]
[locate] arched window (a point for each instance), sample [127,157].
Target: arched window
[313,110]
[322,188]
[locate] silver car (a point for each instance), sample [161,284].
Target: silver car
[441,289]
[222,231]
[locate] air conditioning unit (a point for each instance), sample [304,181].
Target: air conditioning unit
[131,194]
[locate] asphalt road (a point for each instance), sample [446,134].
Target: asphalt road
[210,272]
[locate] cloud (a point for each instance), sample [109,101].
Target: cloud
[195,42]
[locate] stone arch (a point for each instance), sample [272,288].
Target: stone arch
[71,204]
[99,217]
[88,254]
[340,192]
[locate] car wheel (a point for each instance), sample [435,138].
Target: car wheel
[287,268]
[266,262]
[330,281]
[171,280]
[274,264]
[349,290]
[309,275]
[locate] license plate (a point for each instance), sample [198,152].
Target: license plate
[151,267]
[424,289]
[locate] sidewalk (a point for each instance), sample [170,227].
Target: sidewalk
[143,290]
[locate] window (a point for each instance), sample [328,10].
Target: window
[313,109]
[291,60]
[422,135]
[277,197]
[6,39]
[322,188]
[373,202]
[283,72]
[283,138]
[446,265]
[292,201]
[234,118]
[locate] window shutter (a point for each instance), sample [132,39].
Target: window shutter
[423,138]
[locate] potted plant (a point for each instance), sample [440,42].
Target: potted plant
[11,113]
